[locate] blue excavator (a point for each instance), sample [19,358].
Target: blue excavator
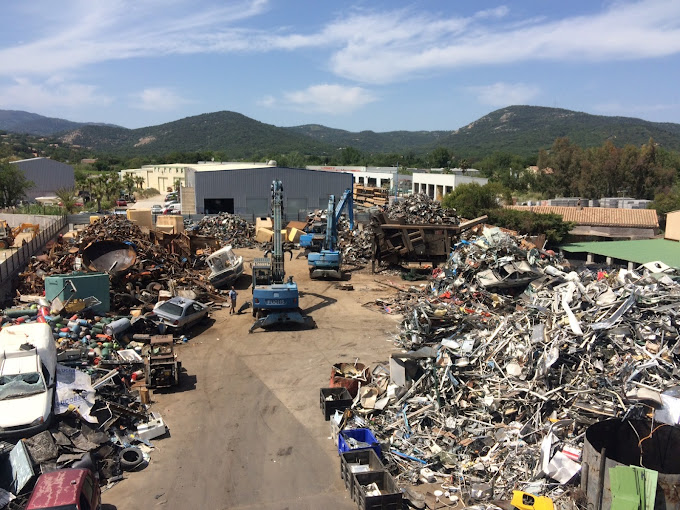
[324,258]
[275,301]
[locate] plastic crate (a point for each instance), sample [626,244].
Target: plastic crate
[341,401]
[390,497]
[366,459]
[362,435]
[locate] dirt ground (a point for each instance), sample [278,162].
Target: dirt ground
[246,430]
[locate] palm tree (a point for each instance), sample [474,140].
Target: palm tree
[139,180]
[67,198]
[98,191]
[129,182]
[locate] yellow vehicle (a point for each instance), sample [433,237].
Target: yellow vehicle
[6,235]
[24,233]
[17,235]
[525,501]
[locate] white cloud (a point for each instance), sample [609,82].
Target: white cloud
[46,96]
[90,32]
[362,45]
[498,12]
[324,98]
[419,44]
[267,101]
[158,99]
[505,94]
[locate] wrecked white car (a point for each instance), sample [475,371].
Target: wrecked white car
[28,366]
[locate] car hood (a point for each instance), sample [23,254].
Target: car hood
[15,412]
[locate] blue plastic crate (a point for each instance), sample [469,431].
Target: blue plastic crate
[361,435]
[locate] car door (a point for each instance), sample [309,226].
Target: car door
[197,312]
[89,498]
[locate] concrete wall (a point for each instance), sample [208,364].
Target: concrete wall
[14,220]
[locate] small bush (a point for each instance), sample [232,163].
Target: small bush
[530,223]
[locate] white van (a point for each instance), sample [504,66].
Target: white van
[28,370]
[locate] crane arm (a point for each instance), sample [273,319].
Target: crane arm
[346,200]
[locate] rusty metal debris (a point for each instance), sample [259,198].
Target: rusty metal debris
[141,264]
[228,228]
[494,386]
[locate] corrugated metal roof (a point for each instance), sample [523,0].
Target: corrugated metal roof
[599,216]
[640,251]
[29,159]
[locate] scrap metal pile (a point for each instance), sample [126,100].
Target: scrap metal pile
[420,208]
[100,423]
[229,228]
[492,392]
[357,245]
[140,264]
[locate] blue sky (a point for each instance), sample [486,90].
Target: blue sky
[378,65]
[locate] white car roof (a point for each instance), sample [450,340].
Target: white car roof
[20,364]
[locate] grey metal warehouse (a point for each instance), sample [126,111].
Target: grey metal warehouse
[247,192]
[47,175]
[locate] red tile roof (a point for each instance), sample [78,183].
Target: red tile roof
[599,216]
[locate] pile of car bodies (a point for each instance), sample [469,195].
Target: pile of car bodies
[525,387]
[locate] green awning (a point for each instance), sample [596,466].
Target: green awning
[640,251]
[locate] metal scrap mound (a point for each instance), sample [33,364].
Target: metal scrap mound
[493,393]
[98,417]
[420,208]
[162,262]
[229,228]
[357,245]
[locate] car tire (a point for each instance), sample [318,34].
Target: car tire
[130,458]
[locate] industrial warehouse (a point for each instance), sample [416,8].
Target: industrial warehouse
[47,176]
[243,188]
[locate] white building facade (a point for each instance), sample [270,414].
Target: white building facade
[436,186]
[162,177]
[372,176]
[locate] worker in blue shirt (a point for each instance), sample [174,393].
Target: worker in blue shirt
[232,297]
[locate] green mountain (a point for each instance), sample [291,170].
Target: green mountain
[524,130]
[521,130]
[17,121]
[370,141]
[237,135]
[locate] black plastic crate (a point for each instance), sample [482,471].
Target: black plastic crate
[367,458]
[390,497]
[341,401]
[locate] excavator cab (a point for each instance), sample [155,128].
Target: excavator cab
[6,235]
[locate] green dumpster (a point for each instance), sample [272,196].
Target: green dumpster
[86,284]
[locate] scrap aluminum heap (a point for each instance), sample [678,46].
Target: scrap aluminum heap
[495,392]
[420,208]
